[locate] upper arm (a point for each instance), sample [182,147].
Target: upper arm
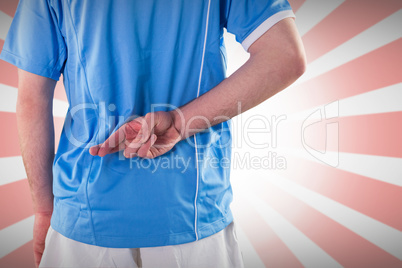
[34,88]
[248,20]
[35,42]
[266,29]
[281,45]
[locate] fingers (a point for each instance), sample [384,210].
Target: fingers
[111,145]
[143,151]
[94,149]
[131,150]
[144,138]
[39,248]
[38,258]
[132,128]
[113,142]
[148,123]
[135,137]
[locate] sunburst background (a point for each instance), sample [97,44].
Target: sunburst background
[320,185]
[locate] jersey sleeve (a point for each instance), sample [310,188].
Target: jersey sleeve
[248,20]
[34,41]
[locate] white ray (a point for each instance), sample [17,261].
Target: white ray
[11,169]
[307,252]
[16,235]
[381,168]
[381,34]
[60,108]
[8,102]
[384,100]
[236,55]
[250,256]
[5,24]
[384,236]
[313,12]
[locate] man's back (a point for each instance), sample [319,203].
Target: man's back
[122,59]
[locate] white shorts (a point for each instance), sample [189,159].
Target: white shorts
[218,250]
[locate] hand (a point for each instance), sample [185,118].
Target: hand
[41,226]
[148,136]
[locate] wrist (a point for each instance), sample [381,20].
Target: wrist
[44,213]
[43,201]
[178,122]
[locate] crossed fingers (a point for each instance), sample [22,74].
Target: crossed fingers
[135,138]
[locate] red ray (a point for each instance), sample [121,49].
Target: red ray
[377,69]
[296,4]
[20,258]
[16,202]
[345,22]
[9,7]
[372,134]
[345,246]
[9,73]
[9,143]
[363,194]
[270,248]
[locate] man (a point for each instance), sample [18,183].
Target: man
[149,110]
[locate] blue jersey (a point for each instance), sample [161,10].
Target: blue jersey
[121,59]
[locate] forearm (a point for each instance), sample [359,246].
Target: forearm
[240,92]
[36,137]
[277,59]
[267,72]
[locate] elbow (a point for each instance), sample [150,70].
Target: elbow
[25,103]
[293,65]
[29,105]
[297,63]
[25,107]
[301,63]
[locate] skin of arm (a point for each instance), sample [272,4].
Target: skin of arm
[276,60]
[36,138]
